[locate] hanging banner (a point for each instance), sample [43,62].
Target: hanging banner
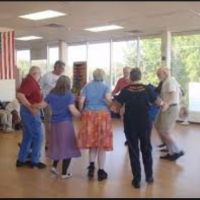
[79,77]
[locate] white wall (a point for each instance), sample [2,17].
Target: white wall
[7,90]
[7,87]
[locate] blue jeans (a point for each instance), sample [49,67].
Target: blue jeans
[32,135]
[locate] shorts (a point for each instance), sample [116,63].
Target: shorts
[166,121]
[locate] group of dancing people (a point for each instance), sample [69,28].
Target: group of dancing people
[131,97]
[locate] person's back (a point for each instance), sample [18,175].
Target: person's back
[62,139]
[60,106]
[95,93]
[137,98]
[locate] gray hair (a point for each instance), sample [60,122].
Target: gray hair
[127,68]
[59,63]
[33,69]
[136,74]
[99,74]
[164,69]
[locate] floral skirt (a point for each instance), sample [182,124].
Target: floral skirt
[96,131]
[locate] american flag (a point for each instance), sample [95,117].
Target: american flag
[7,55]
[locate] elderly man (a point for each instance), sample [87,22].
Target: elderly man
[165,122]
[28,95]
[137,123]
[121,84]
[47,83]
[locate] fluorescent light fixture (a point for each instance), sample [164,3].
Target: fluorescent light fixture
[27,38]
[104,28]
[43,15]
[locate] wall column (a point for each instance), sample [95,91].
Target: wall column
[166,39]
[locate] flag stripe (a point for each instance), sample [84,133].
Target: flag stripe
[3,59]
[0,56]
[7,55]
[14,68]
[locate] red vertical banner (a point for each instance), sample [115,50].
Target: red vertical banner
[79,77]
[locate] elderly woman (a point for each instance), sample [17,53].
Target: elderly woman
[96,129]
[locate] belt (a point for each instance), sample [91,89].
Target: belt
[174,104]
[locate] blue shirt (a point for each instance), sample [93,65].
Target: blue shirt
[60,106]
[153,110]
[95,92]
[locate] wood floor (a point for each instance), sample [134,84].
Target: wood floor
[180,179]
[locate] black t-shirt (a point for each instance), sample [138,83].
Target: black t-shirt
[137,99]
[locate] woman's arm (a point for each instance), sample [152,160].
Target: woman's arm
[74,111]
[108,98]
[81,103]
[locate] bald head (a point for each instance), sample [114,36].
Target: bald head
[126,72]
[35,72]
[163,73]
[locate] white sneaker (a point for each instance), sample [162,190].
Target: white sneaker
[54,171]
[66,176]
[9,130]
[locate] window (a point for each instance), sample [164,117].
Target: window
[124,54]
[99,57]
[52,57]
[150,59]
[42,64]
[186,63]
[23,61]
[75,54]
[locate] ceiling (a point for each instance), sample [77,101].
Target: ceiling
[149,18]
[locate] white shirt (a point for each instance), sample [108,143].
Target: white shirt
[48,82]
[14,105]
[171,85]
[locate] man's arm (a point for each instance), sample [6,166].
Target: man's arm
[117,89]
[119,102]
[168,101]
[23,100]
[170,98]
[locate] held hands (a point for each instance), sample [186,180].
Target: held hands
[34,110]
[114,108]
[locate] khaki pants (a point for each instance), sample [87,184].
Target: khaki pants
[47,122]
[6,118]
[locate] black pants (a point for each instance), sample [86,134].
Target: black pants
[143,138]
